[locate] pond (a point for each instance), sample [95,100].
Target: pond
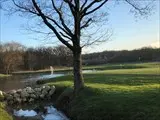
[21,81]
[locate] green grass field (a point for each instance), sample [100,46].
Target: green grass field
[3,113]
[3,75]
[116,92]
[113,92]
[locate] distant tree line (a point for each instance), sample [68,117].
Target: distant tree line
[146,54]
[16,57]
[11,57]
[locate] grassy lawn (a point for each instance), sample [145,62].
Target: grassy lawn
[129,93]
[97,67]
[3,75]
[3,114]
[114,92]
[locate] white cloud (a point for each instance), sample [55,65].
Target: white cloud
[156,44]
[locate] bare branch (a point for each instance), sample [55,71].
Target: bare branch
[34,12]
[102,38]
[71,6]
[50,26]
[85,2]
[87,23]
[93,10]
[90,5]
[143,11]
[61,19]
[72,16]
[66,36]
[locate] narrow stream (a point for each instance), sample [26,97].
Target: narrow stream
[50,113]
[47,112]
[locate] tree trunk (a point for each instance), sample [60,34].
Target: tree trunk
[77,70]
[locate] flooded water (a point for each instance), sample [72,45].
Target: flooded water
[21,81]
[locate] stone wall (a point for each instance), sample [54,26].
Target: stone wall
[28,94]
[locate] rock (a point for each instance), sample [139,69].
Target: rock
[38,94]
[44,92]
[31,100]
[18,100]
[29,90]
[43,87]
[52,88]
[10,102]
[16,95]
[12,92]
[24,99]
[33,96]
[42,96]
[29,94]
[47,88]
[19,90]
[37,89]
[24,94]
[51,92]
[48,96]
[9,97]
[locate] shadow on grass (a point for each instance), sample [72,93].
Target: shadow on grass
[111,105]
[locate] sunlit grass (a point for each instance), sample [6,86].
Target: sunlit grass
[113,92]
[3,113]
[3,75]
[116,94]
[147,71]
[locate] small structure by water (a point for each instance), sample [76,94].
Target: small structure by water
[51,68]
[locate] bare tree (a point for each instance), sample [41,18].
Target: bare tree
[69,21]
[12,56]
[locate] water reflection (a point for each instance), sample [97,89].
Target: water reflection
[12,82]
[43,77]
[51,114]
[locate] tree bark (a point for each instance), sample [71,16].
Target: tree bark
[77,61]
[77,70]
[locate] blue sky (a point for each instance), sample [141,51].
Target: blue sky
[129,33]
